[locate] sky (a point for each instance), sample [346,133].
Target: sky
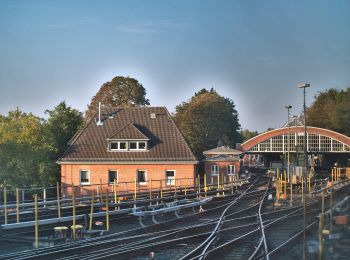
[254,52]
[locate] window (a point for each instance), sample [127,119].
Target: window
[114,146]
[84,177]
[112,175]
[133,145]
[231,169]
[127,145]
[214,169]
[123,145]
[169,177]
[142,145]
[142,177]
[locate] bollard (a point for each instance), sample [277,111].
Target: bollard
[73,206]
[36,220]
[331,210]
[92,209]
[135,192]
[17,205]
[285,186]
[150,193]
[205,184]
[58,200]
[101,199]
[218,188]
[320,237]
[302,190]
[44,197]
[107,211]
[115,194]
[5,205]
[161,189]
[291,192]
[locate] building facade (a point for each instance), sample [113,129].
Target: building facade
[139,145]
[223,163]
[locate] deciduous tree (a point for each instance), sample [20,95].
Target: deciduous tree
[119,92]
[207,118]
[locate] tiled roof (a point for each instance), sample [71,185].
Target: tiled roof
[165,140]
[129,132]
[222,150]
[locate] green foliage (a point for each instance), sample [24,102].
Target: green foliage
[29,146]
[207,118]
[246,134]
[331,110]
[63,123]
[119,92]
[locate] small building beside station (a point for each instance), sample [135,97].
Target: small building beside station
[222,162]
[137,144]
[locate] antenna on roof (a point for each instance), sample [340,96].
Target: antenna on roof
[99,122]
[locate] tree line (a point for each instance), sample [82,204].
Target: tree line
[30,145]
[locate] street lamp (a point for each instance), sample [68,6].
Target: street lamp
[288,164]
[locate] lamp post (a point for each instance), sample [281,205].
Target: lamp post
[304,86]
[288,149]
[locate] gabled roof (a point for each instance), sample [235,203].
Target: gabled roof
[129,132]
[166,143]
[222,150]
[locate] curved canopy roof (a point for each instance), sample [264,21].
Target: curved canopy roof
[318,140]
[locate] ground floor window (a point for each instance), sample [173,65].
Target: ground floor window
[231,169]
[142,177]
[214,169]
[112,175]
[170,177]
[84,177]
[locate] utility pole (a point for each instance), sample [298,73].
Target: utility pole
[304,86]
[288,149]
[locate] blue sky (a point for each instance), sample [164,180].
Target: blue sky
[255,52]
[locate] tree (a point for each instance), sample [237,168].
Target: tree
[25,149]
[207,118]
[30,146]
[63,123]
[119,92]
[331,110]
[246,134]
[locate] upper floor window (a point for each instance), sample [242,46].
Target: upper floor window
[231,169]
[214,169]
[127,145]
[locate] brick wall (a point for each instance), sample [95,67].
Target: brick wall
[222,170]
[70,173]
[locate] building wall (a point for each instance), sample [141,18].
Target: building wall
[70,173]
[222,170]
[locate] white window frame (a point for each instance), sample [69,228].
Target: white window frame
[170,181]
[117,176]
[137,177]
[84,183]
[110,146]
[126,145]
[132,149]
[138,145]
[231,172]
[213,172]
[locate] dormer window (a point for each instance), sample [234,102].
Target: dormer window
[127,145]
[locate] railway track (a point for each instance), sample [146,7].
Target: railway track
[155,233]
